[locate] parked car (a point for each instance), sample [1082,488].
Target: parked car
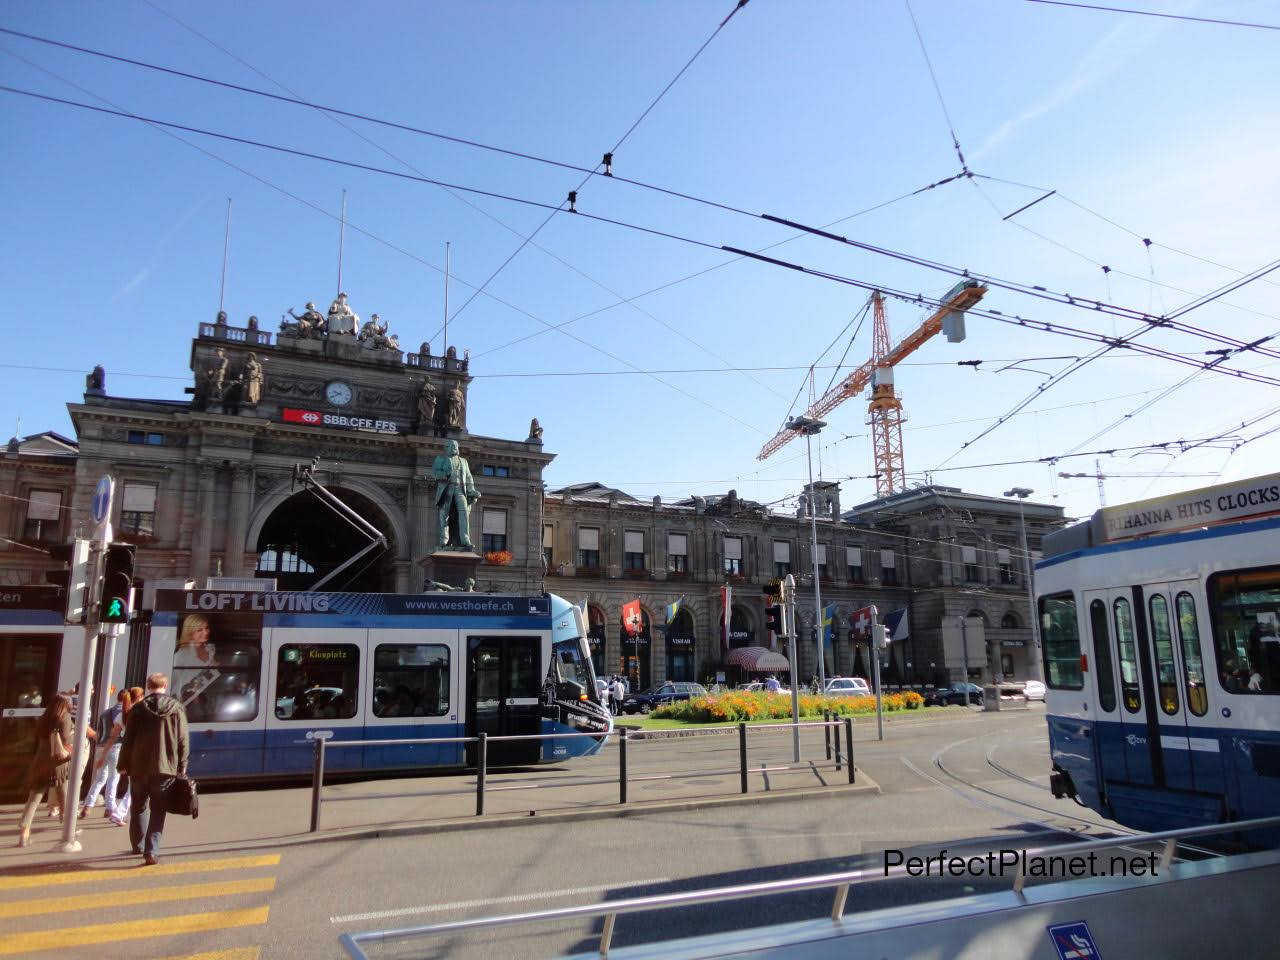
[759,688]
[1033,690]
[847,687]
[954,694]
[667,692]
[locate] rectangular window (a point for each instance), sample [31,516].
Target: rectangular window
[138,509]
[853,554]
[888,568]
[633,549]
[781,558]
[141,436]
[494,531]
[216,671]
[822,561]
[969,555]
[1162,638]
[1062,668]
[317,681]
[489,470]
[1005,562]
[1126,643]
[678,552]
[548,538]
[1192,663]
[589,547]
[733,555]
[1244,607]
[410,680]
[44,510]
[1102,656]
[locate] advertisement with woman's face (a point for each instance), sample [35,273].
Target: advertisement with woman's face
[217,667]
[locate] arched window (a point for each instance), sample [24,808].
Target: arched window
[1010,621]
[980,616]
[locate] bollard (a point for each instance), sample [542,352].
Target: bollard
[622,767]
[835,736]
[742,754]
[482,761]
[317,782]
[848,744]
[826,731]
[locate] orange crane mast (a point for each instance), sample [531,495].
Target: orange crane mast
[885,408]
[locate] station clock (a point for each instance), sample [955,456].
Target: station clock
[338,393]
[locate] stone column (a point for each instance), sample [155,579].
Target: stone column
[238,519]
[202,538]
[421,540]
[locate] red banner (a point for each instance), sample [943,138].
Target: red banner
[632,618]
[309,417]
[861,623]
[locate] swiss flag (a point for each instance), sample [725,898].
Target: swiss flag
[632,618]
[861,621]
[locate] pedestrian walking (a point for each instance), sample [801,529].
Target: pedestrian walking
[616,693]
[772,685]
[49,768]
[602,691]
[155,751]
[107,774]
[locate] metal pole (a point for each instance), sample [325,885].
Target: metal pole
[482,762]
[103,692]
[742,754]
[622,766]
[875,678]
[80,741]
[445,350]
[789,630]
[837,739]
[848,746]
[1034,667]
[964,648]
[342,235]
[226,252]
[317,783]
[813,560]
[826,732]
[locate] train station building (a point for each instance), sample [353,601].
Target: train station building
[206,488]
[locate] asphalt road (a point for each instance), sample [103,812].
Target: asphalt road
[981,780]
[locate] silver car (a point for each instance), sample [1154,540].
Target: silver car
[847,687]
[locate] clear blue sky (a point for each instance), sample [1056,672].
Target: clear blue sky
[811,111]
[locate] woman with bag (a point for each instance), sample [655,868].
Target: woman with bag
[48,769]
[106,775]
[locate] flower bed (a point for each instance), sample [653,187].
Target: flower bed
[740,705]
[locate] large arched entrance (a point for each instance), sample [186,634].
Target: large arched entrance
[596,637]
[741,633]
[637,658]
[680,647]
[303,540]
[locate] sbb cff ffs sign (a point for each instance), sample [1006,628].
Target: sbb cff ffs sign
[315,418]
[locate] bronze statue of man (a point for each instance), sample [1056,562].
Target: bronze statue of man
[455,493]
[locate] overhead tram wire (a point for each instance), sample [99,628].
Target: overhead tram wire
[1153,13]
[593,172]
[1035,290]
[160,126]
[951,127]
[333,118]
[910,298]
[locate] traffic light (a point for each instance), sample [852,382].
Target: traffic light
[117,583]
[74,579]
[773,618]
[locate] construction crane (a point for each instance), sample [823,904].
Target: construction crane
[1100,477]
[884,412]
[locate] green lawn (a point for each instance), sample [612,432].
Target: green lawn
[640,722]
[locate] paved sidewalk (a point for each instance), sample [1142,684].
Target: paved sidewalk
[662,774]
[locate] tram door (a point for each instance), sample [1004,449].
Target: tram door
[1124,736]
[1189,748]
[28,676]
[504,693]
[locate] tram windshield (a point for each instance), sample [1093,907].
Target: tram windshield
[573,663]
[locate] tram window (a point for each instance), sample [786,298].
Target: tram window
[1102,656]
[1245,607]
[572,665]
[216,668]
[1061,642]
[1128,647]
[1192,661]
[317,681]
[410,680]
[1162,636]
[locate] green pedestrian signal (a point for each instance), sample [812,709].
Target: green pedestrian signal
[117,583]
[116,609]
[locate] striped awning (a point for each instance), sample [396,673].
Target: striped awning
[757,660]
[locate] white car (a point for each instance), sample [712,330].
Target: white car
[1033,690]
[847,687]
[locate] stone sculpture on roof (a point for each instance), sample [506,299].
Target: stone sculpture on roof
[310,325]
[342,319]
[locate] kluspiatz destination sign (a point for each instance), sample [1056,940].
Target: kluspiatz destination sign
[1243,500]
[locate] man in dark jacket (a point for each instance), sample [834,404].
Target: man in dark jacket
[156,747]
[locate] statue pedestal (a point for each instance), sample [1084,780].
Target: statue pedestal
[453,567]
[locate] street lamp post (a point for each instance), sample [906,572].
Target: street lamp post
[1035,665]
[809,428]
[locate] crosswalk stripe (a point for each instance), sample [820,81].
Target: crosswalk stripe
[124,898]
[139,872]
[235,953]
[24,943]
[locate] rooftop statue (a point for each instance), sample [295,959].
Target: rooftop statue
[310,325]
[96,379]
[216,375]
[535,431]
[251,378]
[455,408]
[341,318]
[427,403]
[455,493]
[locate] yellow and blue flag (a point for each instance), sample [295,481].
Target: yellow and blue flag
[673,609]
[828,619]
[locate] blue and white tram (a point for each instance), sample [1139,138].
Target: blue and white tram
[1161,645]
[263,674]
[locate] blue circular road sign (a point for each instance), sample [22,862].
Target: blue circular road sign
[102,500]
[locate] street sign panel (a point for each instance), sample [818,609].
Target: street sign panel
[102,495]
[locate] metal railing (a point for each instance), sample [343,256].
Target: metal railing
[843,760]
[840,881]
